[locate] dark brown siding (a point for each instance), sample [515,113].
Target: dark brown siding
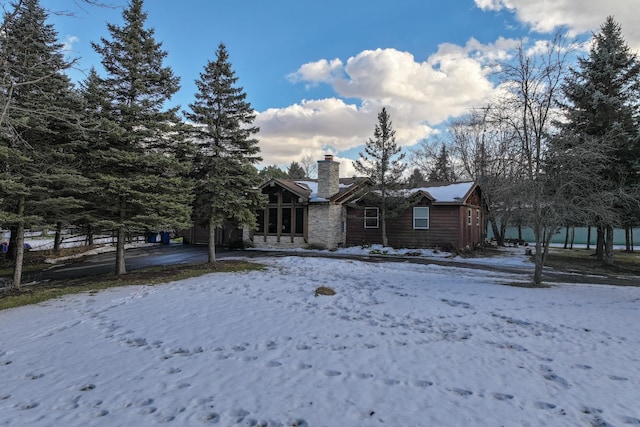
[443,229]
[448,226]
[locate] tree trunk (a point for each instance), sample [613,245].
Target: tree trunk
[121,268]
[212,242]
[538,258]
[538,262]
[600,243]
[608,258]
[573,236]
[121,235]
[90,235]
[383,226]
[627,238]
[588,237]
[566,237]
[497,234]
[57,240]
[19,248]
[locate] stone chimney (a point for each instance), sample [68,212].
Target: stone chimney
[328,177]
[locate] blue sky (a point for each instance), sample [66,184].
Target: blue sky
[317,73]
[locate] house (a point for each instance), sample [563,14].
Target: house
[305,213]
[449,215]
[332,212]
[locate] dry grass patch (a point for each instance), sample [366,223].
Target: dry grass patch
[584,261]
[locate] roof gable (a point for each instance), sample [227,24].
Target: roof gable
[456,193]
[308,189]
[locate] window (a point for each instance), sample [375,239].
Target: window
[421,218]
[371,217]
[477,216]
[299,221]
[469,220]
[283,215]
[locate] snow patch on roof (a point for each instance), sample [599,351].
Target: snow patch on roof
[447,193]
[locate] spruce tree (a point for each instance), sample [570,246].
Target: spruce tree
[383,163]
[442,170]
[603,107]
[226,180]
[296,171]
[416,179]
[40,132]
[272,171]
[141,160]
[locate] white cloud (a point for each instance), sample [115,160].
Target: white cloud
[579,16]
[321,71]
[67,45]
[417,94]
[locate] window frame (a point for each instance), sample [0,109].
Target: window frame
[366,217]
[469,217]
[416,217]
[478,217]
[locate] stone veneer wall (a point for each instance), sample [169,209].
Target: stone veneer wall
[325,226]
[272,241]
[328,177]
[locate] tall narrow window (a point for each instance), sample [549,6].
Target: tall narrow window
[371,217]
[299,220]
[469,218]
[421,218]
[477,216]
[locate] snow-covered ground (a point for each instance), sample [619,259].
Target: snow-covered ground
[398,345]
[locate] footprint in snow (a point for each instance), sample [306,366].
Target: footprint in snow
[631,421]
[331,373]
[422,383]
[461,392]
[148,410]
[101,413]
[453,303]
[549,375]
[502,396]
[364,376]
[617,378]
[28,405]
[34,376]
[544,405]
[585,367]
[211,417]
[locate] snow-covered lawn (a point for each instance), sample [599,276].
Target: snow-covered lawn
[398,345]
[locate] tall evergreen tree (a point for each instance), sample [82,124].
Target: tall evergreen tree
[270,172]
[603,107]
[141,161]
[40,131]
[296,171]
[383,163]
[226,180]
[442,170]
[416,179]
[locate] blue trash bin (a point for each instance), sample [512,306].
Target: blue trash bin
[165,237]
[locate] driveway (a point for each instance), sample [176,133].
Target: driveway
[147,256]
